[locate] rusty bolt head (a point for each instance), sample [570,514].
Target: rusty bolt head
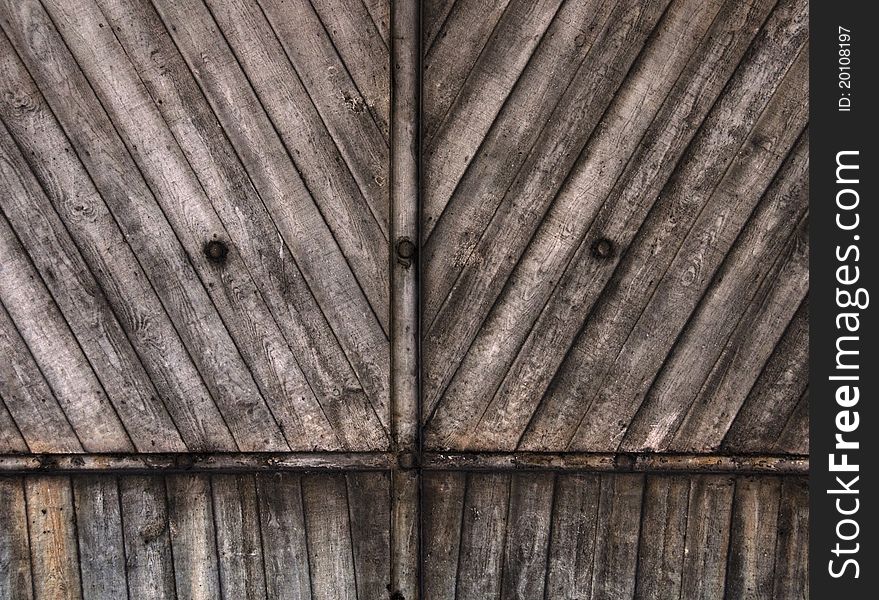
[216,251]
[407,460]
[405,248]
[602,248]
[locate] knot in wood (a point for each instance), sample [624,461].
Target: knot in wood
[216,251]
[602,248]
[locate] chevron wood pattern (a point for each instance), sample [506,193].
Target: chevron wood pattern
[615,226]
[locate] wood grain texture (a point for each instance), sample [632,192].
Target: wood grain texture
[15,554]
[103,564]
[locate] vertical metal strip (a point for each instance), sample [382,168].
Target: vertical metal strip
[405,359]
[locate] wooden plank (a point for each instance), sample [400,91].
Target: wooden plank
[526,552]
[134,209]
[275,176]
[148,560]
[285,546]
[449,61]
[380,11]
[34,408]
[455,142]
[483,536]
[57,352]
[552,425]
[791,578]
[616,536]
[192,216]
[360,44]
[457,222]
[707,537]
[327,526]
[15,558]
[661,542]
[102,560]
[52,530]
[369,505]
[442,512]
[83,305]
[281,284]
[746,353]
[460,306]
[11,440]
[618,333]
[737,298]
[435,14]
[794,438]
[776,395]
[193,537]
[753,532]
[573,537]
[500,422]
[239,542]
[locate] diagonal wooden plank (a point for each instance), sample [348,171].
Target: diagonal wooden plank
[526,111]
[637,103]
[753,533]
[747,351]
[52,533]
[483,272]
[15,556]
[33,408]
[133,207]
[612,319]
[447,154]
[239,544]
[380,11]
[777,393]
[794,438]
[68,280]
[434,15]
[364,52]
[275,177]
[280,282]
[725,308]
[448,63]
[285,547]
[56,351]
[661,541]
[99,531]
[146,531]
[195,223]
[11,439]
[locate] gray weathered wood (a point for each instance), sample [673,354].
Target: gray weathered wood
[239,543]
[483,536]
[617,536]
[442,511]
[573,535]
[328,530]
[369,509]
[285,546]
[111,169]
[11,440]
[15,558]
[148,562]
[707,538]
[52,531]
[193,537]
[791,578]
[794,438]
[526,553]
[663,530]
[435,14]
[753,534]
[102,560]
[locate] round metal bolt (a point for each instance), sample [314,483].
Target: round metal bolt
[405,248]
[602,248]
[216,251]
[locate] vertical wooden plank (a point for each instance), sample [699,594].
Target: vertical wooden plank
[527,547]
[327,525]
[442,511]
[99,528]
[661,542]
[369,505]
[15,562]
[284,539]
[751,565]
[193,540]
[616,537]
[483,536]
[705,551]
[239,544]
[52,527]
[574,526]
[791,579]
[149,562]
